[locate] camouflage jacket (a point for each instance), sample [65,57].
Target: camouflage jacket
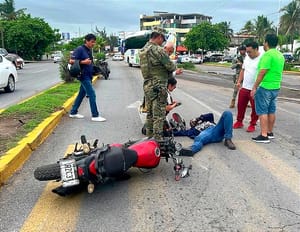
[237,63]
[155,65]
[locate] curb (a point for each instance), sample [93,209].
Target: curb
[13,159]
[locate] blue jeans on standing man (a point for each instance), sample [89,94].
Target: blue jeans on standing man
[86,89]
[214,134]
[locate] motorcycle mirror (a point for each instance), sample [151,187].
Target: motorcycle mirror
[185,172]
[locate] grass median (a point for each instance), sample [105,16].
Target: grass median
[18,120]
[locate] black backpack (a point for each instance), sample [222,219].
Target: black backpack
[75,69]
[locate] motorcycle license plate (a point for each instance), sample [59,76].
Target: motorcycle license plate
[68,171]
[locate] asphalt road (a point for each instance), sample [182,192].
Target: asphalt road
[254,188]
[34,78]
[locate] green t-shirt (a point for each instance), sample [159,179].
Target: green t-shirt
[273,61]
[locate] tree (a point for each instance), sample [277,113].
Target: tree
[290,20]
[29,37]
[207,37]
[248,28]
[225,29]
[8,11]
[263,27]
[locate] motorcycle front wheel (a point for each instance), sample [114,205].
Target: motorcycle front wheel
[47,172]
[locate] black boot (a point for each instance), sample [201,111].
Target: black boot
[228,143]
[186,152]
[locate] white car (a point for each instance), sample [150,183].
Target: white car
[196,59]
[57,58]
[8,75]
[118,57]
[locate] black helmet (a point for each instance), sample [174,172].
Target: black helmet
[242,47]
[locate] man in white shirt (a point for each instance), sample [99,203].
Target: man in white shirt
[247,78]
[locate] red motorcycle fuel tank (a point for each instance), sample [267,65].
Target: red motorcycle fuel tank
[148,153]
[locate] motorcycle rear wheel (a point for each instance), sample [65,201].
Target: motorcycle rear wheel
[47,172]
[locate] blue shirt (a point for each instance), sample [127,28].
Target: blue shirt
[82,53]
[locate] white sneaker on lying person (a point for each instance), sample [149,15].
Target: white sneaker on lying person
[98,119]
[76,116]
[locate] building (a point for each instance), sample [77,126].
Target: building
[173,22]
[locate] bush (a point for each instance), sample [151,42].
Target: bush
[288,66]
[63,68]
[187,65]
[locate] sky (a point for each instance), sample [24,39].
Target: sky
[79,17]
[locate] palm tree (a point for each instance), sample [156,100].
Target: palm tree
[225,29]
[8,11]
[290,20]
[263,27]
[248,28]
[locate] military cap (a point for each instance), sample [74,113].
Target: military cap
[159,30]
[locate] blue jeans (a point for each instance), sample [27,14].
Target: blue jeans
[265,100]
[214,134]
[86,89]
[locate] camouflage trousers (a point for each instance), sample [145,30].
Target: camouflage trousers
[156,113]
[235,79]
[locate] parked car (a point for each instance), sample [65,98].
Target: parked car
[57,58]
[288,57]
[196,59]
[215,57]
[8,75]
[183,59]
[16,60]
[3,52]
[228,59]
[117,57]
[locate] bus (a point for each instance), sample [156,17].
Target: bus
[132,44]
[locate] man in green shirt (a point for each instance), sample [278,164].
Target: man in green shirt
[266,88]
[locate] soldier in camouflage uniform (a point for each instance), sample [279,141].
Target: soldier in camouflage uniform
[237,65]
[155,66]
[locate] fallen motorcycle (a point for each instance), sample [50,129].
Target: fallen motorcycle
[89,165]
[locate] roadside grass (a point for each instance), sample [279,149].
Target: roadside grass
[18,120]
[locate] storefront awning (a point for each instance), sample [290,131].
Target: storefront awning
[181,48]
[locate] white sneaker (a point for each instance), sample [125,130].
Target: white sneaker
[98,119]
[76,116]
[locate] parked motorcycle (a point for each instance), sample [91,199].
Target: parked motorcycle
[89,165]
[103,68]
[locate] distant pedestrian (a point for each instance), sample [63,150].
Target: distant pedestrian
[266,87]
[84,55]
[237,65]
[246,81]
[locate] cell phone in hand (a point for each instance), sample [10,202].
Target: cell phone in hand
[178,104]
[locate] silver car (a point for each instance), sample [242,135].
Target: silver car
[8,75]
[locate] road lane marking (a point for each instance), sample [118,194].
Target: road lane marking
[52,212]
[286,174]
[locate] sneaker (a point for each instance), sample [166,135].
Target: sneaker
[186,152]
[237,125]
[271,135]
[251,128]
[261,139]
[76,116]
[98,119]
[228,143]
